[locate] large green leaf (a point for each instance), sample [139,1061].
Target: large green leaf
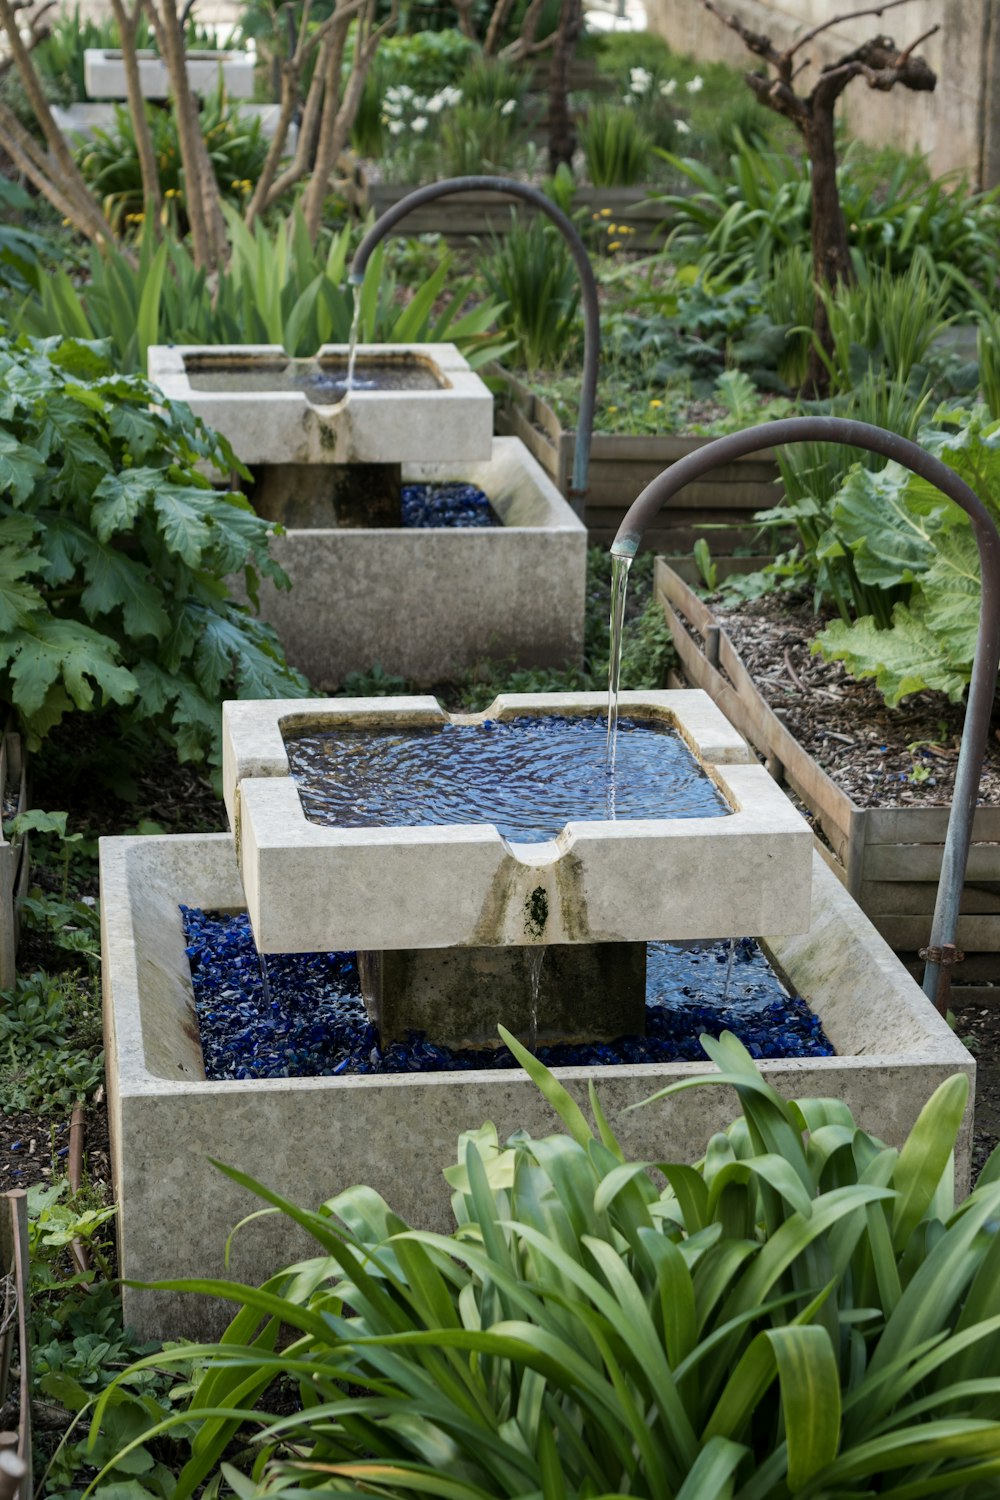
[906,659]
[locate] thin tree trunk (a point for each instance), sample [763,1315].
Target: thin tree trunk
[208,227]
[494,32]
[562,137]
[831,251]
[127,26]
[30,158]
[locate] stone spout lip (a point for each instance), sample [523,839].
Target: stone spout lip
[311,887]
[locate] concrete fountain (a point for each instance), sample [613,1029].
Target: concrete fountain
[460,922]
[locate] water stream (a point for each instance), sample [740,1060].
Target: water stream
[352,342]
[536,957]
[619,588]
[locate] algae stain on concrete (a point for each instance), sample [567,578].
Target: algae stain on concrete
[536,912]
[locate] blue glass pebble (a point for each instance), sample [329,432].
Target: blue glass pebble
[316,1025]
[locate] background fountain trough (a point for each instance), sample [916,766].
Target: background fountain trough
[422,604]
[309,1138]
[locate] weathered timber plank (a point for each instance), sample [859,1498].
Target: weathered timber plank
[725,566]
[980,934]
[909,898]
[928,825]
[975,968]
[923,862]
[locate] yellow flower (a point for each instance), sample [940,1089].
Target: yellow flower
[172,193]
[612,408]
[656,403]
[595,216]
[612,228]
[605,213]
[615,245]
[67,223]
[135,218]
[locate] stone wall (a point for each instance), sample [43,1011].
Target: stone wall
[957,127]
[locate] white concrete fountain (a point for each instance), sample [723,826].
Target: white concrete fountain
[413,892]
[424,604]
[104,73]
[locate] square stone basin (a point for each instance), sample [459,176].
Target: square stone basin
[256,400]
[314,888]
[309,1138]
[427,605]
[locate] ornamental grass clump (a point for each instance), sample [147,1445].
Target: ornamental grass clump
[802,1312]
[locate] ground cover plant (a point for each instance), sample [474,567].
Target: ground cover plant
[802,1311]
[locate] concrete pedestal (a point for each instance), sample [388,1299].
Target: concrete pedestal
[587,992]
[316,496]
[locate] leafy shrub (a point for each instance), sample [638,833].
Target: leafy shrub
[277,289]
[615,146]
[903,536]
[50,1044]
[802,1312]
[743,217]
[114,555]
[492,82]
[883,325]
[532,271]
[110,162]
[427,60]
[475,138]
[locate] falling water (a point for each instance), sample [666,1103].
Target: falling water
[729,970]
[352,345]
[536,957]
[264,978]
[619,586]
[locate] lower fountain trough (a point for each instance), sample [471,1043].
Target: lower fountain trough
[309,1138]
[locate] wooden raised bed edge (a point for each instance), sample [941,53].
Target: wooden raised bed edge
[14,860]
[719,508]
[889,858]
[481,214]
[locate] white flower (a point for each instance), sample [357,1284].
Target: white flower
[451,95]
[640,79]
[419,124]
[680,126]
[695,85]
[627,99]
[666,89]
[391,107]
[395,126]
[435,104]
[508,106]
[403,91]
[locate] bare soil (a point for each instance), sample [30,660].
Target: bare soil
[881,757]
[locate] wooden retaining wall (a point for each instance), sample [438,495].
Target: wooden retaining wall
[13,852]
[888,857]
[719,508]
[480,215]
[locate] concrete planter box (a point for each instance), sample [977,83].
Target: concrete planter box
[83,120]
[311,1138]
[374,427]
[720,507]
[889,858]
[104,74]
[313,887]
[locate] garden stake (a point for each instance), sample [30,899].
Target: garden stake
[588,287]
[74,1171]
[16,1213]
[12,1471]
[724,450]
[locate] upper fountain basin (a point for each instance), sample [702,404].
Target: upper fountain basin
[277,410]
[313,887]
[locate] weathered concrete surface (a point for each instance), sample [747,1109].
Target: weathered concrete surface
[311,887]
[104,74]
[569,992]
[453,421]
[311,1138]
[957,127]
[428,605]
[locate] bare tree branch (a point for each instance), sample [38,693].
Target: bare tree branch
[850,15]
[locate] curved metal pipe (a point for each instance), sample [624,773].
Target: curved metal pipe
[982,688]
[588,287]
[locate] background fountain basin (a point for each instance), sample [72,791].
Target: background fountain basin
[428,605]
[453,421]
[104,73]
[313,888]
[309,1138]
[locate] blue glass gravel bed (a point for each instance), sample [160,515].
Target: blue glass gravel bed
[312,1023]
[427,507]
